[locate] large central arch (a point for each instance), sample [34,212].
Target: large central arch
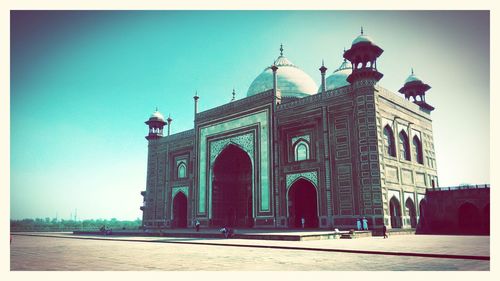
[232,189]
[303,203]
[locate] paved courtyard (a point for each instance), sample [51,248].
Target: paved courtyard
[64,252]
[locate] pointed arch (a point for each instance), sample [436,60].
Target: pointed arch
[301,150]
[411,212]
[302,204]
[181,170]
[232,188]
[179,210]
[395,212]
[389,143]
[417,150]
[404,145]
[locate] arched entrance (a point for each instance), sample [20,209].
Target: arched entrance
[395,211]
[232,189]
[468,218]
[180,210]
[302,203]
[411,212]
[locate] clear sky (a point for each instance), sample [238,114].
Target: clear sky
[83,83]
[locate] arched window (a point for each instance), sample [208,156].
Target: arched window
[404,145]
[417,150]
[389,141]
[181,171]
[301,150]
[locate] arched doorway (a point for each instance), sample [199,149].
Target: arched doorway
[395,211]
[232,189]
[468,218]
[180,210]
[411,212]
[302,203]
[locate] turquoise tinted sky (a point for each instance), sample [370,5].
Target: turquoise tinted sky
[84,82]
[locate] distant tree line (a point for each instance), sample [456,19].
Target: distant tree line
[53,224]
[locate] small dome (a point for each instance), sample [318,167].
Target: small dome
[362,38]
[157,116]
[339,77]
[412,78]
[292,81]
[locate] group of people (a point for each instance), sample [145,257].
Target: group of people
[362,224]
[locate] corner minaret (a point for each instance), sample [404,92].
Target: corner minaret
[415,88]
[323,70]
[195,98]
[363,56]
[277,94]
[169,120]
[156,123]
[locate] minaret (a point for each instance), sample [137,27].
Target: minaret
[363,55]
[196,97]
[169,120]
[323,70]
[415,88]
[156,123]
[274,68]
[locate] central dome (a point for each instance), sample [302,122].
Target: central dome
[292,81]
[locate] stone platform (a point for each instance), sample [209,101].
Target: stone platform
[258,234]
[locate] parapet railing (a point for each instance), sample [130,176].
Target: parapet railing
[460,187]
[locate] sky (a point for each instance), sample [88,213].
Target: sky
[83,83]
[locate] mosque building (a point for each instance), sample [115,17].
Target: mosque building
[291,151]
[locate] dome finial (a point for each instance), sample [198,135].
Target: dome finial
[361,30]
[281,49]
[156,109]
[412,71]
[322,62]
[234,94]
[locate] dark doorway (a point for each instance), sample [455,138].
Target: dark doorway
[302,203]
[232,189]
[468,219]
[411,212]
[395,209]
[180,210]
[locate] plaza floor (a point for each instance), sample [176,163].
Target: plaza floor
[68,252]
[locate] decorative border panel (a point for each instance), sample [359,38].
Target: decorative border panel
[311,176]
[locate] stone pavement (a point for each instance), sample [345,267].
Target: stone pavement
[138,253]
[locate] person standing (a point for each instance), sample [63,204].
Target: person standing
[303,222]
[365,223]
[197,225]
[358,223]
[384,230]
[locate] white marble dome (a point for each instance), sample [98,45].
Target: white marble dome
[339,77]
[156,116]
[362,38]
[292,81]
